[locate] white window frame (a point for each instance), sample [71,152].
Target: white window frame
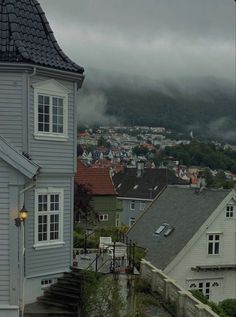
[214,242]
[132,205]
[132,221]
[142,204]
[205,286]
[49,243]
[51,88]
[103,217]
[230,211]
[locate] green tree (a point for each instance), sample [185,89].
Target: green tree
[103,142]
[208,176]
[229,307]
[83,207]
[102,298]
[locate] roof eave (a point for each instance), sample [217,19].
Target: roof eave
[18,161]
[42,70]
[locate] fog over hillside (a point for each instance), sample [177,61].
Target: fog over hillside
[204,105]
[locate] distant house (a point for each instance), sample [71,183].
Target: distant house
[104,194]
[38,92]
[191,236]
[138,187]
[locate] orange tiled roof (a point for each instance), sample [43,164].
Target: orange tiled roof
[97,178]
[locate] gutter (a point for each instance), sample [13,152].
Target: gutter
[45,71]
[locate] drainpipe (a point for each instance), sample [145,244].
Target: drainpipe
[22,248]
[28,109]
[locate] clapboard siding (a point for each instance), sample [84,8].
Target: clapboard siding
[54,156]
[198,255]
[4,234]
[56,259]
[11,92]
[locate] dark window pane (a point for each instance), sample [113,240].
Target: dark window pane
[210,248]
[217,247]
[40,126]
[46,100]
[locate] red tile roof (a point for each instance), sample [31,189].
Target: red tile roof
[97,178]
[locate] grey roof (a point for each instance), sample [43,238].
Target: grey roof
[26,37]
[181,208]
[148,185]
[18,161]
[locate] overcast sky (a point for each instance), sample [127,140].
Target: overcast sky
[155,38]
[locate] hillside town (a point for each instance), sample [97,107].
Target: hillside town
[112,221]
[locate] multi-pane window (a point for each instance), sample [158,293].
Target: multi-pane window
[142,204]
[132,221]
[50,114]
[103,217]
[206,287]
[51,110]
[229,211]
[49,217]
[213,244]
[132,205]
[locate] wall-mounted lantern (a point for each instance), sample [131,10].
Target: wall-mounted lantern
[22,215]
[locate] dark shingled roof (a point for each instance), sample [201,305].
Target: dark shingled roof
[181,208]
[26,37]
[148,185]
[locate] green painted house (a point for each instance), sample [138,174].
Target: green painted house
[104,195]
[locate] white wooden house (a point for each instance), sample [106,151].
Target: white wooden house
[38,97]
[191,236]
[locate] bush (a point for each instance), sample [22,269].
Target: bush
[216,308]
[229,307]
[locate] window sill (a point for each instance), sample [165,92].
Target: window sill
[51,137]
[48,245]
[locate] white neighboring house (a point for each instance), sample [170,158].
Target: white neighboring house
[191,236]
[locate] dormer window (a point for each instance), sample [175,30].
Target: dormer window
[50,111]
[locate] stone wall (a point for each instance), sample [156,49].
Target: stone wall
[186,305]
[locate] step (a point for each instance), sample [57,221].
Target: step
[61,293]
[65,288]
[41,310]
[69,281]
[57,302]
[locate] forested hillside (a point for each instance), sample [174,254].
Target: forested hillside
[205,106]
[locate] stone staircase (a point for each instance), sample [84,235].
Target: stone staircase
[61,298]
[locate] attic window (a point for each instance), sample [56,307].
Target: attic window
[229,211]
[135,186]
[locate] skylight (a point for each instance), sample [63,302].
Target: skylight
[160,229]
[135,186]
[169,231]
[119,185]
[155,188]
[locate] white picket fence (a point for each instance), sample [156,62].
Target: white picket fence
[186,304]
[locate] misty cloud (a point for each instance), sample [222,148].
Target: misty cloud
[154,38]
[223,128]
[92,109]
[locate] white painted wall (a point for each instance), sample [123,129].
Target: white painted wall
[9,311]
[33,287]
[197,254]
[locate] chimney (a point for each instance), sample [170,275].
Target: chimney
[140,169]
